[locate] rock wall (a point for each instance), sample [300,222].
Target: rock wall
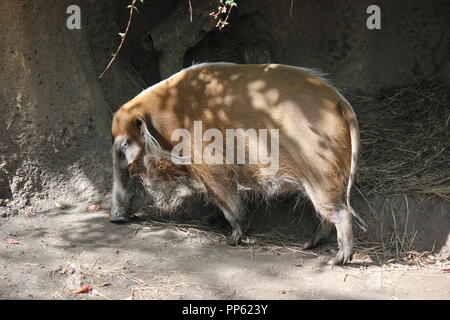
[413,43]
[54,119]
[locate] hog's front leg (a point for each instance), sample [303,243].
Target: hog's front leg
[122,190]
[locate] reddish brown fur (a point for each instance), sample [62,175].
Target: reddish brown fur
[186,97]
[317,127]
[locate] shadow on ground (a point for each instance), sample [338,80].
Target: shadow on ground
[53,254]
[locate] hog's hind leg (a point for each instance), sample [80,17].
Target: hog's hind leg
[342,219]
[322,233]
[231,206]
[233,213]
[337,213]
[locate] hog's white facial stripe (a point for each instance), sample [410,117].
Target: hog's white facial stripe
[131,152]
[129,149]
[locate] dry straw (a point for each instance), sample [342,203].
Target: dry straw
[405,135]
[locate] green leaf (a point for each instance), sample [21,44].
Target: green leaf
[231,3]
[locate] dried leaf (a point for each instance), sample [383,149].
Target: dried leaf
[12,241]
[94,207]
[84,289]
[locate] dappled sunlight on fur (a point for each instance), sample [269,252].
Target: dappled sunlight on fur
[316,129]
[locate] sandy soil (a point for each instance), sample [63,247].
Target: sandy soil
[49,256]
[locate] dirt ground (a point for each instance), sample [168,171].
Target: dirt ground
[51,255]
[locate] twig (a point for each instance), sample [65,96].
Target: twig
[190,10]
[123,36]
[406,222]
[226,7]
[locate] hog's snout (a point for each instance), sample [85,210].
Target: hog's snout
[118,216]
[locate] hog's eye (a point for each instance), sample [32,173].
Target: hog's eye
[125,144]
[138,123]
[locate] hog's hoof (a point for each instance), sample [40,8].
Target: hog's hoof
[318,237]
[234,239]
[118,216]
[342,257]
[312,242]
[118,219]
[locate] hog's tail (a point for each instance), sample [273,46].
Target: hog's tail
[349,115]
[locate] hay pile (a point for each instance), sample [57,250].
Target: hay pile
[406,145]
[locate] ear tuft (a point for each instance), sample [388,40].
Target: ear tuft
[138,123]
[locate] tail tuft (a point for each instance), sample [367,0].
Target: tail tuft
[349,116]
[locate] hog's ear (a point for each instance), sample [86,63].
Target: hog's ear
[151,138]
[138,122]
